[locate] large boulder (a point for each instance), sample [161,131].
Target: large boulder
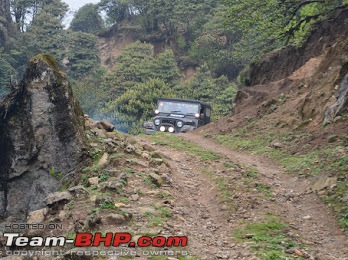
[41,137]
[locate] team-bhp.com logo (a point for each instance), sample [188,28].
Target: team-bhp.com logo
[97,239]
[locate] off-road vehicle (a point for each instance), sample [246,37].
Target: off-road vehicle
[175,115]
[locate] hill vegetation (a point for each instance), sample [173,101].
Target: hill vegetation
[220,39]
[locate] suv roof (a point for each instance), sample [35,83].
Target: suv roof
[185,100]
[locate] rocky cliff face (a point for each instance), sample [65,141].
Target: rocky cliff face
[41,138]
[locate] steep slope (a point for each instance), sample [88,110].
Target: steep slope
[296,113]
[294,87]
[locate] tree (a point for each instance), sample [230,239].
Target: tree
[274,20]
[45,33]
[80,53]
[130,110]
[5,10]
[90,91]
[118,10]
[137,64]
[6,73]
[87,19]
[219,92]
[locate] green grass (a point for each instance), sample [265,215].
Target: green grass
[266,190]
[104,177]
[108,205]
[268,237]
[175,142]
[159,219]
[251,172]
[296,157]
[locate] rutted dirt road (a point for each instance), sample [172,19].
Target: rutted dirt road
[209,221]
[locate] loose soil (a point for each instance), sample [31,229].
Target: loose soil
[209,222]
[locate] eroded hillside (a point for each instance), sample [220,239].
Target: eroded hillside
[296,113]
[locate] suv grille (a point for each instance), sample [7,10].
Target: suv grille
[168,121]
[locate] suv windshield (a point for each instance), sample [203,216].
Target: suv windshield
[176,107]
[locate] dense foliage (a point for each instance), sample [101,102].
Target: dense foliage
[216,38]
[32,27]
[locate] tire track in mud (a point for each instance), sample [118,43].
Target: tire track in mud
[311,221]
[200,214]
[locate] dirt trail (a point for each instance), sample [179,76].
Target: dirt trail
[302,209]
[209,225]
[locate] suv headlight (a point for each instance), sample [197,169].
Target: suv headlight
[157,121]
[179,124]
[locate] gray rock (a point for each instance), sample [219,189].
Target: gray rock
[41,137]
[323,182]
[37,216]
[112,184]
[341,104]
[130,148]
[94,220]
[277,145]
[78,191]
[93,181]
[134,197]
[115,219]
[103,160]
[156,162]
[156,179]
[106,126]
[58,197]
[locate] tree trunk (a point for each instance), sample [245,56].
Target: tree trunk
[5,10]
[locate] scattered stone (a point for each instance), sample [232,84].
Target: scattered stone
[112,184]
[58,198]
[298,252]
[104,160]
[307,217]
[112,135]
[152,192]
[93,198]
[120,205]
[134,197]
[99,132]
[148,148]
[37,216]
[163,168]
[78,191]
[277,145]
[291,250]
[93,181]
[130,148]
[94,220]
[323,182]
[106,126]
[166,178]
[146,156]
[156,179]
[113,219]
[156,162]
[62,215]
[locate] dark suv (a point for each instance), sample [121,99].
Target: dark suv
[178,116]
